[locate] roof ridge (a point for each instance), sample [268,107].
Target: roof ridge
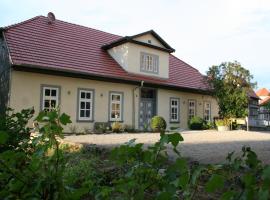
[186,63]
[22,22]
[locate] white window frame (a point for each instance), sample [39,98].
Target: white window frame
[85,100]
[149,63]
[177,107]
[191,108]
[120,102]
[208,114]
[50,98]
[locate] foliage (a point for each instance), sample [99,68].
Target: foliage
[101,127]
[129,129]
[231,85]
[40,169]
[116,127]
[208,125]
[13,128]
[196,123]
[158,124]
[222,122]
[33,170]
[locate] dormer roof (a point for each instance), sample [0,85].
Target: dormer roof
[132,39]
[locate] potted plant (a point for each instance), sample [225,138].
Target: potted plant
[223,124]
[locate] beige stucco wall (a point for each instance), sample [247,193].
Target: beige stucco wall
[26,89]
[145,38]
[128,57]
[164,102]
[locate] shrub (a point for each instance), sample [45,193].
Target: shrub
[222,122]
[101,127]
[158,124]
[208,125]
[196,123]
[116,127]
[128,128]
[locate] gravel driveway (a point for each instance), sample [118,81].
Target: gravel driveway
[202,146]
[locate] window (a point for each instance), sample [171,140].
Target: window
[174,109]
[85,106]
[207,111]
[116,106]
[50,98]
[149,63]
[191,108]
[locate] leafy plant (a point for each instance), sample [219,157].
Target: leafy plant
[158,124]
[44,168]
[129,128]
[13,128]
[116,127]
[101,127]
[196,123]
[222,122]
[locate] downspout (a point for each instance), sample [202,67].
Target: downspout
[133,103]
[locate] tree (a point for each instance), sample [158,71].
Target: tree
[231,84]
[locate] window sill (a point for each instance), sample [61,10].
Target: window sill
[121,121]
[79,120]
[174,122]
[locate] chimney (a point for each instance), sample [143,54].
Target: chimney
[51,18]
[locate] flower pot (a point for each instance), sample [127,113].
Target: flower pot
[223,128]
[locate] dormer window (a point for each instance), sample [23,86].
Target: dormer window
[149,63]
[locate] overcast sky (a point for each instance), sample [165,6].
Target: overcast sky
[203,33]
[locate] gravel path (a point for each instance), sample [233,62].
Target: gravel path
[202,146]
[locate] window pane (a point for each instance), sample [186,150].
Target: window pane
[87,105]
[82,113]
[113,115]
[82,95]
[82,105]
[47,104]
[87,113]
[53,93]
[47,92]
[116,97]
[88,95]
[53,103]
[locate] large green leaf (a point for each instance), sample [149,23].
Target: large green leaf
[175,138]
[216,182]
[3,137]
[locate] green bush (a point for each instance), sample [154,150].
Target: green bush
[196,123]
[158,124]
[128,128]
[101,127]
[116,127]
[222,122]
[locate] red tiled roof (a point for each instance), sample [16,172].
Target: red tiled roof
[263,92]
[64,46]
[265,101]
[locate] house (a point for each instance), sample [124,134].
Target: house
[96,76]
[264,112]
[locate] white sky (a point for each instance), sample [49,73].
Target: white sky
[204,33]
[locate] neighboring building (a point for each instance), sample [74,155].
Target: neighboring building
[253,106]
[264,112]
[96,76]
